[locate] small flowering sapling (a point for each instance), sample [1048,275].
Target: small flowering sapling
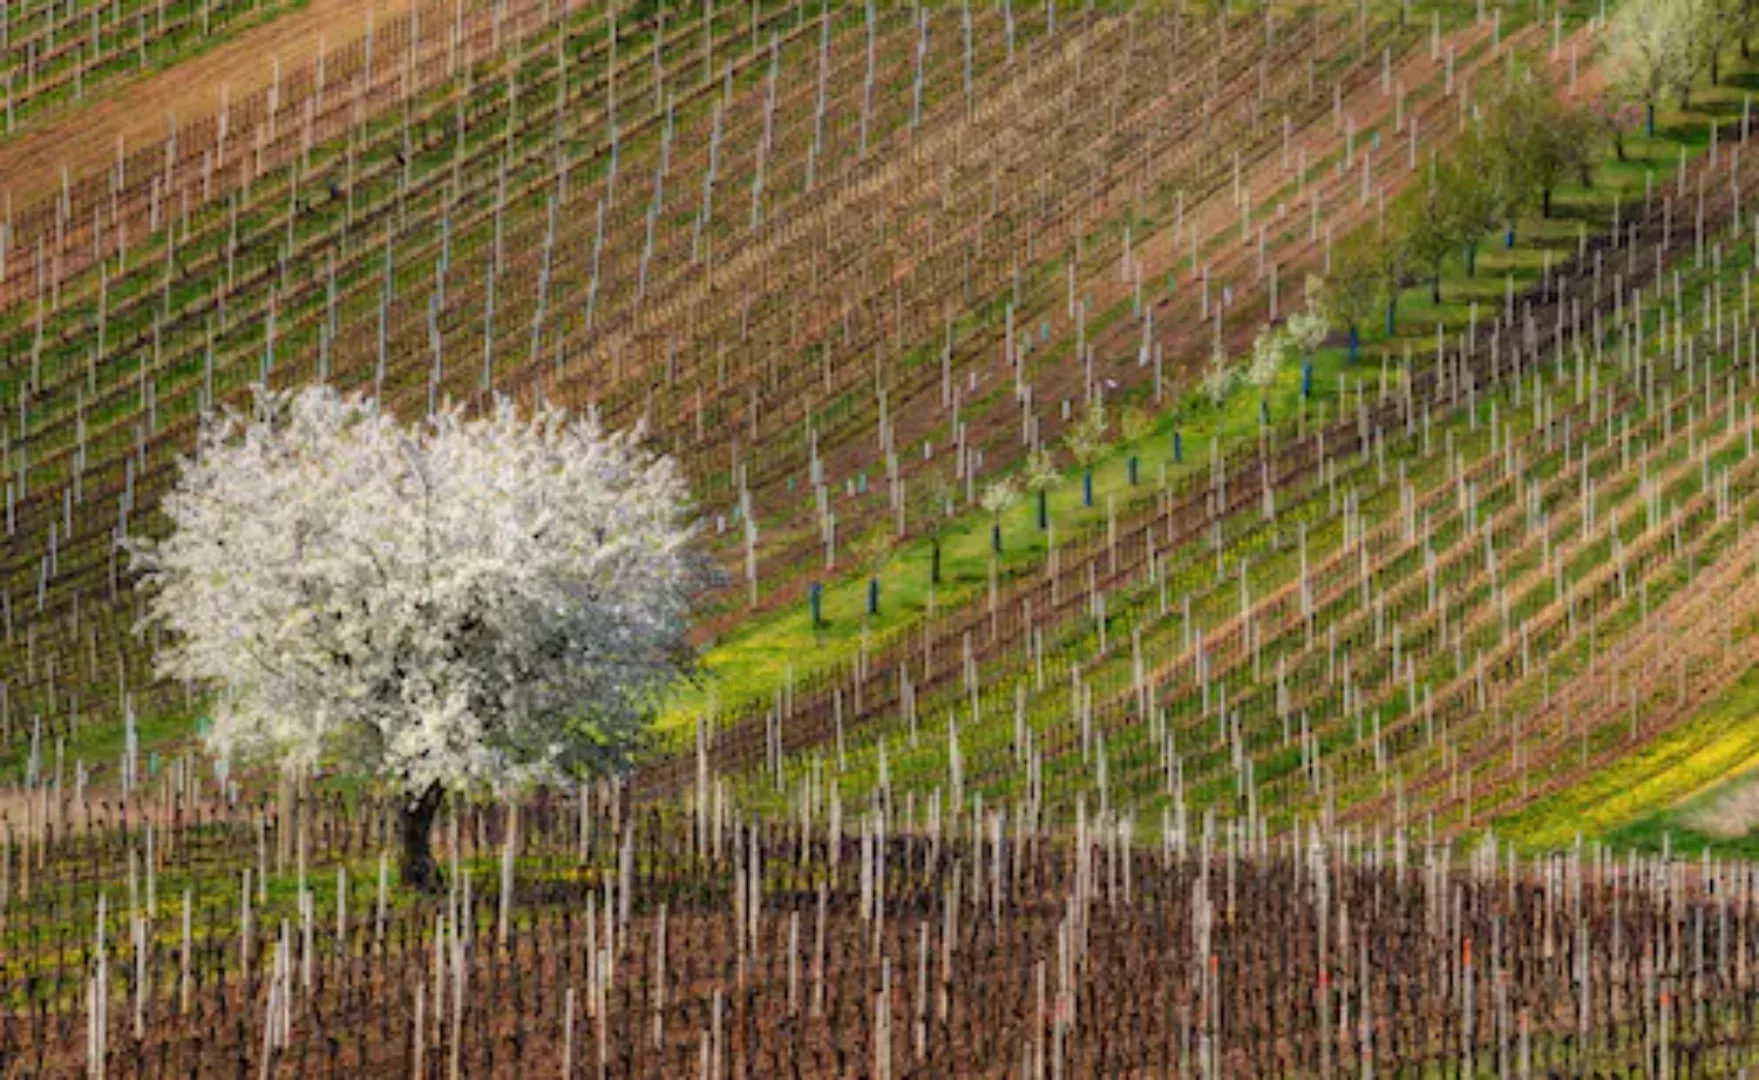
[872,552]
[1133,425]
[1041,476]
[1219,380]
[465,606]
[1653,46]
[1350,293]
[997,499]
[937,506]
[1616,119]
[1307,331]
[1086,441]
[1390,264]
[1268,349]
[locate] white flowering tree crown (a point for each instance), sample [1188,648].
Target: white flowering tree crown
[1307,330]
[999,496]
[1268,351]
[1041,470]
[1086,438]
[1218,380]
[466,605]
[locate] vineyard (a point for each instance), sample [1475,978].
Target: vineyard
[1074,699]
[604,940]
[1488,555]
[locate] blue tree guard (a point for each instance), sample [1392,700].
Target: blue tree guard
[1355,343]
[815,601]
[1044,513]
[1087,487]
[1132,464]
[1307,380]
[873,595]
[1178,447]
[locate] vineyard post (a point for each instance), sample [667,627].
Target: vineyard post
[244,930]
[508,849]
[818,121]
[965,16]
[379,908]
[568,1032]
[418,1030]
[867,83]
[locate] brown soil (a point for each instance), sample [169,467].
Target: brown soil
[136,110]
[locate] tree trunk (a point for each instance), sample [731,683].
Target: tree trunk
[1618,142]
[1545,199]
[1435,288]
[934,575]
[416,823]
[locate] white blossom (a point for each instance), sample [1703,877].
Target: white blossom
[1218,380]
[1086,438]
[476,605]
[1307,330]
[1000,495]
[1041,470]
[1268,350]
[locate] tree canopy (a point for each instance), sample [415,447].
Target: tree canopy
[1659,46]
[466,605]
[1523,143]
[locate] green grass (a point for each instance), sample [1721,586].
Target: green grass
[1657,795]
[99,745]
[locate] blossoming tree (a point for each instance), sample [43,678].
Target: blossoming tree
[465,606]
